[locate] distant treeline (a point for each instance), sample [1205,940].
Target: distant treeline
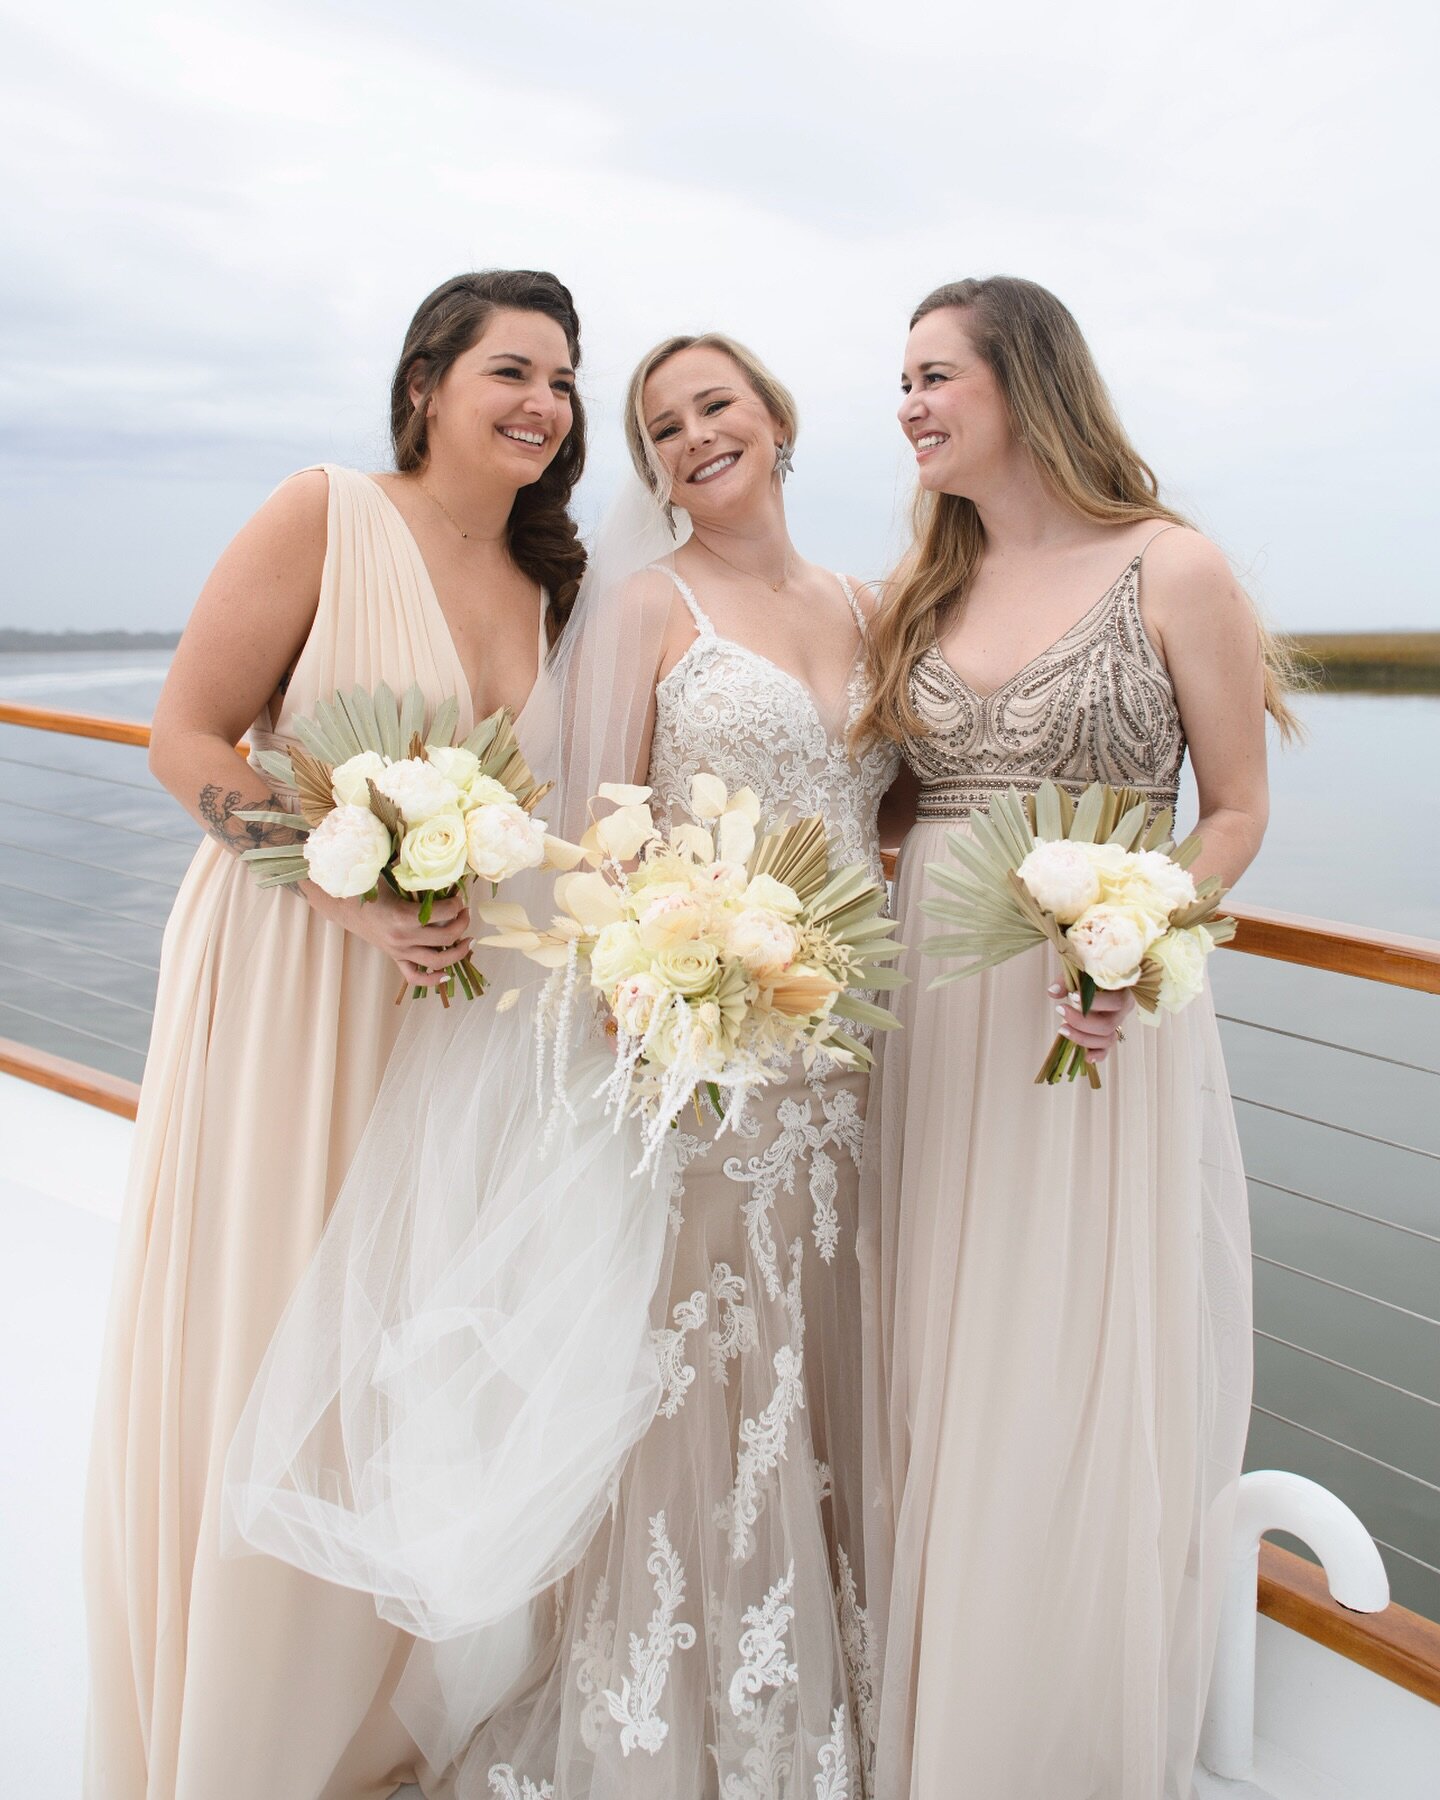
[88,640]
[1376,662]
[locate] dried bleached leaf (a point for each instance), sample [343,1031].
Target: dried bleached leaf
[312,784]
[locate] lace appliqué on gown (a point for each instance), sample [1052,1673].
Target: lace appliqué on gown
[746,1489]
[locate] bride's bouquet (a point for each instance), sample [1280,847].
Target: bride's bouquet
[1114,898]
[382,796]
[718,953]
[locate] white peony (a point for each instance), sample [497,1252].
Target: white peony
[766,945]
[432,853]
[503,840]
[459,767]
[1062,877]
[1109,942]
[773,895]
[349,780]
[346,852]
[725,880]
[635,1001]
[1181,956]
[618,952]
[688,969]
[677,917]
[419,790]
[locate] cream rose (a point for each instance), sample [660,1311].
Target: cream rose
[1181,958]
[677,917]
[349,780]
[500,841]
[688,969]
[764,944]
[618,952]
[419,790]
[346,852]
[432,853]
[1109,941]
[485,790]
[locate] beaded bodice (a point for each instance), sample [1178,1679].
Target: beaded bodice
[1096,706]
[727,710]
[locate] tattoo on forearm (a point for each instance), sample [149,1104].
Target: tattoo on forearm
[218,810]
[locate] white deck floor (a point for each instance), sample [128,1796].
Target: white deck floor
[1328,1730]
[63,1173]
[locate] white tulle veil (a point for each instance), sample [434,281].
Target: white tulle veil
[454,1386]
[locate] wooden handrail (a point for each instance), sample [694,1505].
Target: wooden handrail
[1408,962]
[111,1093]
[1401,1646]
[86,725]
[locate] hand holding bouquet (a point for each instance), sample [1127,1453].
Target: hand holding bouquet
[719,953]
[1114,899]
[384,798]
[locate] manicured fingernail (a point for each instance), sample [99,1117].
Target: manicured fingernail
[1060,1011]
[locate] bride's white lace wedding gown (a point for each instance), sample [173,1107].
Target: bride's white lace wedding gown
[714,1639]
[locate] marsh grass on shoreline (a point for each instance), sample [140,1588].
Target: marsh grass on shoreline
[1379,662]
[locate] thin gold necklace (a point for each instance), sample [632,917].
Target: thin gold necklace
[425,488]
[749,574]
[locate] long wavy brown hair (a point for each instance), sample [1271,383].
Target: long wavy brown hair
[542,536]
[1061,412]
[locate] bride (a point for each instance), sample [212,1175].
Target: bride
[601,1444]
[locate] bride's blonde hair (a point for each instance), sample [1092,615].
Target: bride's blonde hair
[1061,412]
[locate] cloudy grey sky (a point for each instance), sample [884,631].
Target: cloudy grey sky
[217,219]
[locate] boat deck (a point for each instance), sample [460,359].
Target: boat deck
[1326,1728]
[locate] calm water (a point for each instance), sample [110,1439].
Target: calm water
[1341,1137]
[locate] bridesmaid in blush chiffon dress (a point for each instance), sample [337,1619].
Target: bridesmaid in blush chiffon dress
[241,1679]
[1057,1280]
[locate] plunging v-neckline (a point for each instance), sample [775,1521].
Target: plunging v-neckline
[986,695]
[432,593]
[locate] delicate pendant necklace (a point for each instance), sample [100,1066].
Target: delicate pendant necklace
[425,488]
[749,574]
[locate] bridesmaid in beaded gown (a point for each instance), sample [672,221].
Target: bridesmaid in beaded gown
[1056,1279]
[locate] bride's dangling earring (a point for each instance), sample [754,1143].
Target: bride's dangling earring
[669,512]
[784,459]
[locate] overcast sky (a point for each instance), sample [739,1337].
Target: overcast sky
[216,220]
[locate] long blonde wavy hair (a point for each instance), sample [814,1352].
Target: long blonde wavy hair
[1060,410]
